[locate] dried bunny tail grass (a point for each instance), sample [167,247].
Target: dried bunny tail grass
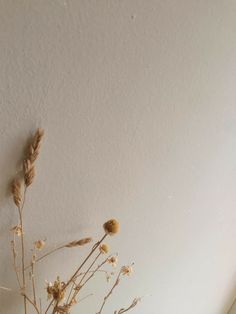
[34,147]
[111,227]
[29,172]
[79,243]
[16,192]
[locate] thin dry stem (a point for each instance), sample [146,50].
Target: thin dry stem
[132,305]
[71,280]
[23,249]
[31,302]
[33,282]
[14,253]
[50,304]
[47,254]
[68,245]
[110,292]
[86,259]
[84,275]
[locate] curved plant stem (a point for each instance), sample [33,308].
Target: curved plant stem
[50,304]
[32,303]
[79,268]
[23,248]
[13,243]
[109,293]
[71,280]
[84,275]
[46,254]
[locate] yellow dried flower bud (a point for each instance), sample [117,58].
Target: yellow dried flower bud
[39,244]
[104,248]
[111,227]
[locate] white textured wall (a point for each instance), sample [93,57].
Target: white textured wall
[138,101]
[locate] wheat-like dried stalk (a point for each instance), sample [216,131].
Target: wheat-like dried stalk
[64,295]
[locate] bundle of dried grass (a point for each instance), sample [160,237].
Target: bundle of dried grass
[62,295]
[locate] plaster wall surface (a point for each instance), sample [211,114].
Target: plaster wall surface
[138,102]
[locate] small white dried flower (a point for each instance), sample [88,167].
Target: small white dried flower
[113,260]
[56,290]
[126,270]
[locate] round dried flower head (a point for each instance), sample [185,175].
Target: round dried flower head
[56,290]
[113,260]
[39,245]
[126,270]
[104,248]
[111,227]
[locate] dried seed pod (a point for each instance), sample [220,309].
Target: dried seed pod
[29,172]
[16,192]
[111,227]
[33,150]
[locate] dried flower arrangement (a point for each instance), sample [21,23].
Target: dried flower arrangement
[62,295]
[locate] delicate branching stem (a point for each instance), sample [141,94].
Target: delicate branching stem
[50,304]
[40,306]
[132,305]
[232,305]
[84,275]
[87,296]
[14,260]
[31,302]
[109,293]
[46,254]
[71,280]
[86,259]
[33,282]
[96,270]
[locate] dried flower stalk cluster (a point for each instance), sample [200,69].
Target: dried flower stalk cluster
[62,295]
